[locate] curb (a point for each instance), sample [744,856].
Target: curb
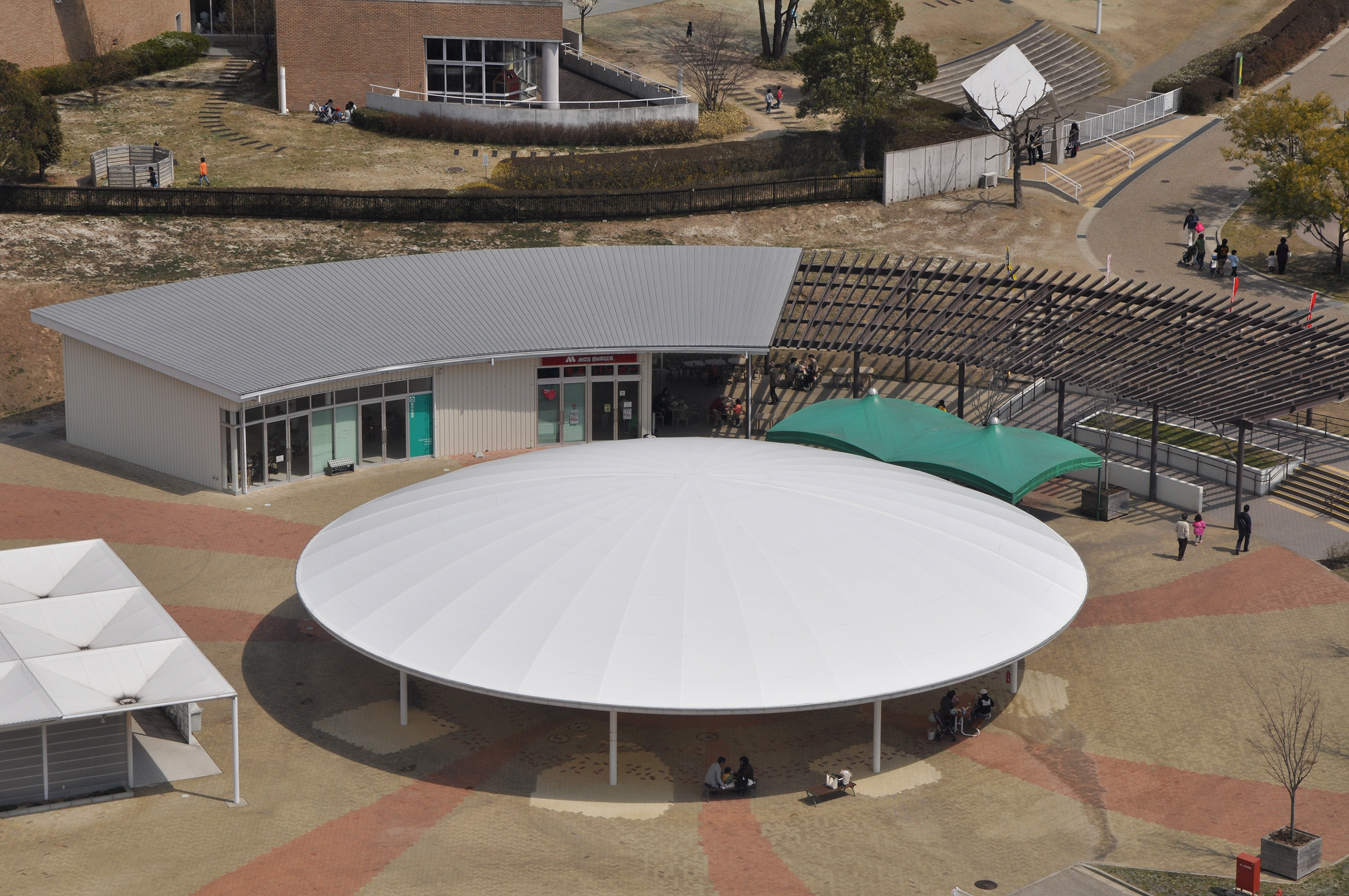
[1101,203]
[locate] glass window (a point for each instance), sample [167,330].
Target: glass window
[629,369]
[602,370]
[496,50]
[549,373]
[224,416]
[396,388]
[549,430]
[473,80]
[252,414]
[435,48]
[454,79]
[321,400]
[345,396]
[573,371]
[435,79]
[297,404]
[375,391]
[421,384]
[498,82]
[454,49]
[473,51]
[574,412]
[276,409]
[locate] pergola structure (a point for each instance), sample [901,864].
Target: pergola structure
[1211,356]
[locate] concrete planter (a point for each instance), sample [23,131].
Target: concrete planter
[1292,862]
[1116,503]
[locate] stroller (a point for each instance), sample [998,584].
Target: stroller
[1188,258]
[943,725]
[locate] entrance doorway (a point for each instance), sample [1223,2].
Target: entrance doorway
[612,391]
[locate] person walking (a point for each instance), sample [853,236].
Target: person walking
[1219,260]
[1200,256]
[688,35]
[154,177]
[1199,527]
[1190,220]
[777,98]
[1282,254]
[772,376]
[1243,530]
[1182,537]
[1074,140]
[202,179]
[768,99]
[1232,262]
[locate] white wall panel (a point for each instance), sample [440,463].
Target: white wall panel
[486,407]
[117,407]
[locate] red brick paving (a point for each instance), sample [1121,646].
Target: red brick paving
[343,855]
[1212,805]
[740,860]
[30,512]
[213,624]
[1262,581]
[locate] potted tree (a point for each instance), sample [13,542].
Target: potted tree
[1290,722]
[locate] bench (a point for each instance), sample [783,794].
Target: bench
[341,465]
[709,791]
[814,794]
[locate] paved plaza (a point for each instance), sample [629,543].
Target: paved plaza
[1127,742]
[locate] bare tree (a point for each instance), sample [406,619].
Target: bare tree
[714,59]
[585,8]
[102,60]
[775,41]
[1021,121]
[1290,720]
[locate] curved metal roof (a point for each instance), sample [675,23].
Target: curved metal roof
[691,576]
[244,335]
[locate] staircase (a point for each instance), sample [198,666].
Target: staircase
[225,87]
[1320,488]
[1074,70]
[1102,167]
[784,115]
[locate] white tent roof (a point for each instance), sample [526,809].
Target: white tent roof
[1006,87]
[691,576]
[80,636]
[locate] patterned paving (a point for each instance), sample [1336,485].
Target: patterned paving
[1127,741]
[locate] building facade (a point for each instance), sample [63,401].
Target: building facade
[51,32]
[337,49]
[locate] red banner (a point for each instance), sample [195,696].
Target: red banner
[587,358]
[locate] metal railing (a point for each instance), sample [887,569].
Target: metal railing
[1050,172]
[613,66]
[1112,143]
[532,102]
[1137,114]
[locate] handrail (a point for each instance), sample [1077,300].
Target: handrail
[636,76]
[1077,187]
[1110,141]
[532,102]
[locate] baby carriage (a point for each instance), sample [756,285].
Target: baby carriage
[943,725]
[1188,258]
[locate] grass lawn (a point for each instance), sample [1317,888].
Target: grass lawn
[1328,881]
[1183,437]
[1309,266]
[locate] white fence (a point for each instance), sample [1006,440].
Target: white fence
[927,170]
[1022,400]
[1173,492]
[1137,114]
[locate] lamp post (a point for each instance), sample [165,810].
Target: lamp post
[1098,16]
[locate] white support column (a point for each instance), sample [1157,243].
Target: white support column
[876,737]
[234,733]
[281,89]
[1014,675]
[46,779]
[613,747]
[548,75]
[402,697]
[130,755]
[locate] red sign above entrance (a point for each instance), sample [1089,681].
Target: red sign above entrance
[559,360]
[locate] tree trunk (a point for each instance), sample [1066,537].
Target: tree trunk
[763,30]
[1339,253]
[777,28]
[583,27]
[1016,182]
[1292,817]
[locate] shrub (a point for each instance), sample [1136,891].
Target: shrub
[522,133]
[172,49]
[919,121]
[714,164]
[730,119]
[1213,64]
[1200,95]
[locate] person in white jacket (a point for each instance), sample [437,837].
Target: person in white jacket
[1182,536]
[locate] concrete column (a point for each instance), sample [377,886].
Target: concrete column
[234,736]
[613,747]
[1014,673]
[1152,455]
[749,395]
[548,75]
[402,697]
[281,89]
[876,737]
[960,391]
[1241,472]
[1062,392]
[46,778]
[130,754]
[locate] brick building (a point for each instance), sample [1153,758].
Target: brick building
[49,32]
[336,49]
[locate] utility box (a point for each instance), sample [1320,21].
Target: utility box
[989,179]
[1248,873]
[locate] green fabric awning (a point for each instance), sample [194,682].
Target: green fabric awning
[1004,461]
[871,426]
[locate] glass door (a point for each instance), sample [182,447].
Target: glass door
[323,440]
[372,433]
[344,432]
[602,411]
[421,426]
[256,450]
[629,415]
[276,451]
[395,429]
[574,412]
[299,445]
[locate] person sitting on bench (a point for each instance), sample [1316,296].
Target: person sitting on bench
[713,777]
[983,709]
[744,776]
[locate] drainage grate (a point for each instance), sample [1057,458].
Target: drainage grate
[986,884]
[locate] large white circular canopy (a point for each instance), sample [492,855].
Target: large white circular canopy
[691,576]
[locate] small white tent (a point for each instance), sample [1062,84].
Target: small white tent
[1005,88]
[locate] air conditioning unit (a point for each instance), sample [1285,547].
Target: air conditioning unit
[988,179]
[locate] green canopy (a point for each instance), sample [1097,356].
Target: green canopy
[1005,461]
[880,428]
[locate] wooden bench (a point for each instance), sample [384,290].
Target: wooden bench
[341,465]
[814,794]
[709,791]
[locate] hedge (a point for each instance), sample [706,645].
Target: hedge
[437,127]
[1287,39]
[172,49]
[786,158]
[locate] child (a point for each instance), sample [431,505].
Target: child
[1271,262]
[1198,527]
